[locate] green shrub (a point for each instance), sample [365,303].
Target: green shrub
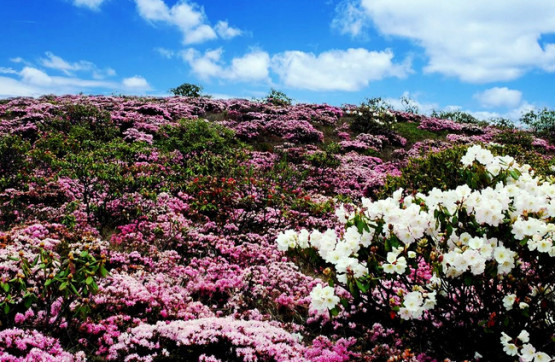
[278,98]
[14,164]
[515,137]
[438,170]
[83,122]
[413,134]
[373,117]
[196,136]
[187,90]
[541,122]
[457,116]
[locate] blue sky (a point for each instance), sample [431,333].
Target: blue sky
[492,58]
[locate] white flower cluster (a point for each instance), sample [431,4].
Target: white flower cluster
[341,252]
[415,303]
[323,298]
[527,353]
[521,200]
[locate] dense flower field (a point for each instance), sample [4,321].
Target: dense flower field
[194,229]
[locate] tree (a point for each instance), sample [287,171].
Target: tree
[278,98]
[541,122]
[187,90]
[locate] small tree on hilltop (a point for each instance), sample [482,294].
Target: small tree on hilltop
[278,98]
[187,90]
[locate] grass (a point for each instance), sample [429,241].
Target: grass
[413,134]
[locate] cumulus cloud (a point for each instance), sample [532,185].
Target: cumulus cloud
[253,66]
[225,31]
[69,68]
[498,97]
[188,17]
[55,62]
[337,70]
[136,83]
[166,53]
[91,4]
[350,19]
[476,41]
[33,81]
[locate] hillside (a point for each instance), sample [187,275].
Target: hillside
[173,228]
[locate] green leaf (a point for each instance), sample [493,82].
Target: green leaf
[48,282]
[468,280]
[63,286]
[344,302]
[514,173]
[364,287]
[5,286]
[84,254]
[6,309]
[334,311]
[89,280]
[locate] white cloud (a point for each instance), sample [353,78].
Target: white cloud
[476,41]
[166,53]
[7,70]
[69,68]
[91,4]
[253,66]
[498,97]
[188,17]
[225,31]
[336,70]
[350,19]
[31,81]
[423,108]
[55,62]
[136,83]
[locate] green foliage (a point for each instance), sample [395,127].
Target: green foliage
[197,136]
[278,98]
[436,170]
[323,159]
[71,276]
[83,122]
[515,137]
[187,90]
[457,116]
[541,122]
[503,123]
[441,170]
[409,105]
[14,164]
[413,134]
[373,117]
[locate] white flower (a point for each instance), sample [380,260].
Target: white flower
[508,301]
[323,298]
[523,336]
[527,353]
[542,357]
[303,238]
[505,338]
[503,254]
[341,214]
[286,240]
[510,349]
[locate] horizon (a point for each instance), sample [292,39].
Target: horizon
[491,60]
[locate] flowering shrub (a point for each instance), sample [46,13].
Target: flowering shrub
[142,228]
[469,262]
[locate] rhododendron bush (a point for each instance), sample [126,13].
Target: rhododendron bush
[197,229]
[474,262]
